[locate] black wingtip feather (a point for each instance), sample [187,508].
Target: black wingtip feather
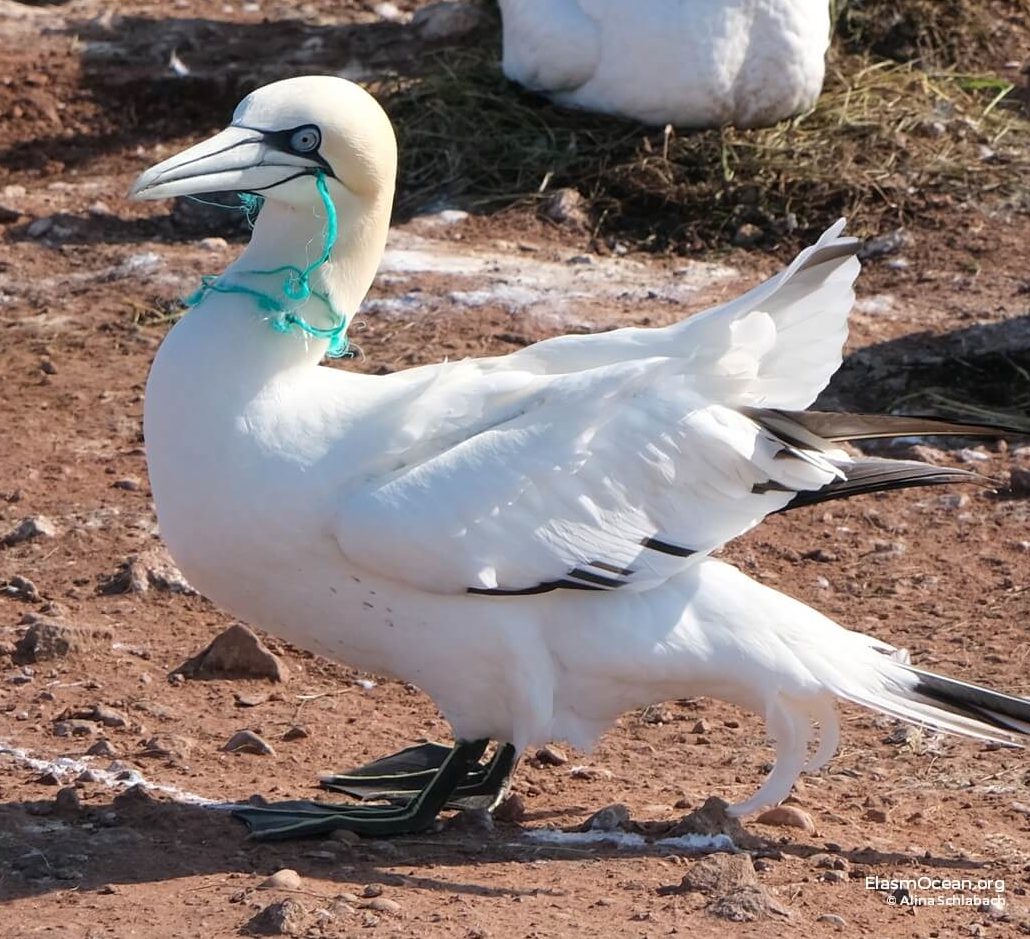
[1004,711]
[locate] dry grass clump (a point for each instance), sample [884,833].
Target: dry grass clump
[886,142]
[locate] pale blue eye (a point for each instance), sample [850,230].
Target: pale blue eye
[305,140]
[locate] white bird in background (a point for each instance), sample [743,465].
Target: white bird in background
[692,63]
[524,537]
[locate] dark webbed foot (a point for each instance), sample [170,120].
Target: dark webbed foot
[397,777]
[298,819]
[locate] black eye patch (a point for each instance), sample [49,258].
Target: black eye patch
[302,141]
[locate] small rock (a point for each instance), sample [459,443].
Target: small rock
[447,20]
[884,245]
[835,877]
[819,554]
[711,819]
[384,905]
[285,918]
[342,836]
[1019,482]
[68,801]
[285,879]
[830,862]
[235,653]
[700,727]
[75,728]
[718,874]
[21,588]
[478,820]
[128,483]
[875,815]
[551,756]
[87,776]
[246,741]
[47,367]
[49,778]
[591,772]
[35,526]
[787,816]
[372,890]
[103,748]
[32,866]
[613,817]
[296,732]
[150,568]
[37,228]
[747,904]
[833,919]
[212,244]
[8,215]
[566,207]
[166,746]
[747,235]
[250,700]
[46,640]
[511,811]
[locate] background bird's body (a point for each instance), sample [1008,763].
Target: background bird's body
[693,63]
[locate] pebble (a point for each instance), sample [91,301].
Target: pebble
[37,228]
[833,919]
[103,748]
[447,20]
[551,756]
[747,235]
[613,817]
[128,483]
[512,810]
[718,873]
[566,207]
[479,820]
[45,640]
[384,905]
[884,245]
[788,816]
[35,526]
[246,741]
[296,732]
[835,877]
[285,918]
[285,879]
[875,815]
[701,727]
[213,244]
[68,801]
[235,653]
[47,366]
[250,700]
[21,588]
[819,554]
[1019,481]
[342,836]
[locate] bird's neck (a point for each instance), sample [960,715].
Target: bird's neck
[286,240]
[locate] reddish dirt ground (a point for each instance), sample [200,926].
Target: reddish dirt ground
[83,305]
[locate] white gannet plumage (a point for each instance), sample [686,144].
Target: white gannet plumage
[525,537]
[692,63]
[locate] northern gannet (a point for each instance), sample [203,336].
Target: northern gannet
[525,537]
[692,63]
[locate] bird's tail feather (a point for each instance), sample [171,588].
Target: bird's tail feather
[944,704]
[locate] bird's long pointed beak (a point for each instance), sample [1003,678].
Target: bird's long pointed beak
[238,159]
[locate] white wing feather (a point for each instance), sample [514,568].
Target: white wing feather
[605,460]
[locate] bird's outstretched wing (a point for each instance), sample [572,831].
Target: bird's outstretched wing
[612,477]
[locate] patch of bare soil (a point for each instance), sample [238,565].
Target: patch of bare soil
[88,285]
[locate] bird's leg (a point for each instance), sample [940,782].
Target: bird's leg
[301,818]
[397,777]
